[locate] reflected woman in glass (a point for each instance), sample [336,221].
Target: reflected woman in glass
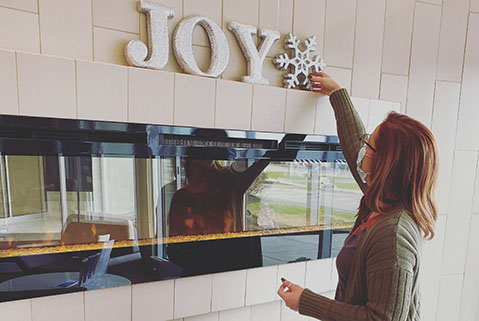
[378,266]
[212,200]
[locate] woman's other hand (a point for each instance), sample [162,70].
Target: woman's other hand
[323,83]
[290,293]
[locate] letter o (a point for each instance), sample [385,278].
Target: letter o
[183,46]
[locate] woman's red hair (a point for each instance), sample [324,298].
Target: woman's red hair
[405,172]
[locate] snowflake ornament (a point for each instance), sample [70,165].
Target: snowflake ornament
[300,65]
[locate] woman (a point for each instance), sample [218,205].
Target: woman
[378,266]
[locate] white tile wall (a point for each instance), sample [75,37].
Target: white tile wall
[449,298]
[285,14]
[112,304]
[150,96]
[362,107]
[325,121]
[300,111]
[423,62]
[204,317]
[266,311]
[269,14]
[309,18]
[27,5]
[110,45]
[460,207]
[58,308]
[269,104]
[462,184]
[318,275]
[116,14]
[16,310]
[394,88]
[452,38]
[474,6]
[261,285]
[339,34]
[228,290]
[194,101]
[241,314]
[192,296]
[8,82]
[470,291]
[102,91]
[66,28]
[378,111]
[19,30]
[467,136]
[397,36]
[152,301]
[233,113]
[368,48]
[46,86]
[444,129]
[431,270]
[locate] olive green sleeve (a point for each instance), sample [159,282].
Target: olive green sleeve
[350,129]
[389,292]
[390,266]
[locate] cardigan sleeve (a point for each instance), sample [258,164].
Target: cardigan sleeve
[350,129]
[388,300]
[390,269]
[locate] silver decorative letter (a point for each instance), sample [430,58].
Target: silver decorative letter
[156,55]
[183,46]
[255,59]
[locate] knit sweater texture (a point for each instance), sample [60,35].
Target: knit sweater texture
[383,282]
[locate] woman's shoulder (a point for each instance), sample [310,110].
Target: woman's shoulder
[395,238]
[397,228]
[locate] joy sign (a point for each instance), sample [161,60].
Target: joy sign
[155,55]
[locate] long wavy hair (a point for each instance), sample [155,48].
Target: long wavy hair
[405,172]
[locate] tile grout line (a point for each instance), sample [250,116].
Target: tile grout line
[468,237]
[20,10]
[437,64]
[293,15]
[127,94]
[39,27]
[76,88]
[31,309]
[428,3]
[323,49]
[131,302]
[117,30]
[84,305]
[252,108]
[174,97]
[215,103]
[18,88]
[382,49]
[462,75]
[92,33]
[354,46]
[410,58]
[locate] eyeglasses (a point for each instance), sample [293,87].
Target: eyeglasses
[365,139]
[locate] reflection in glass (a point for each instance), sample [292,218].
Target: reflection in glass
[78,199]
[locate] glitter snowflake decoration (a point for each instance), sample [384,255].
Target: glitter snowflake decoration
[300,64]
